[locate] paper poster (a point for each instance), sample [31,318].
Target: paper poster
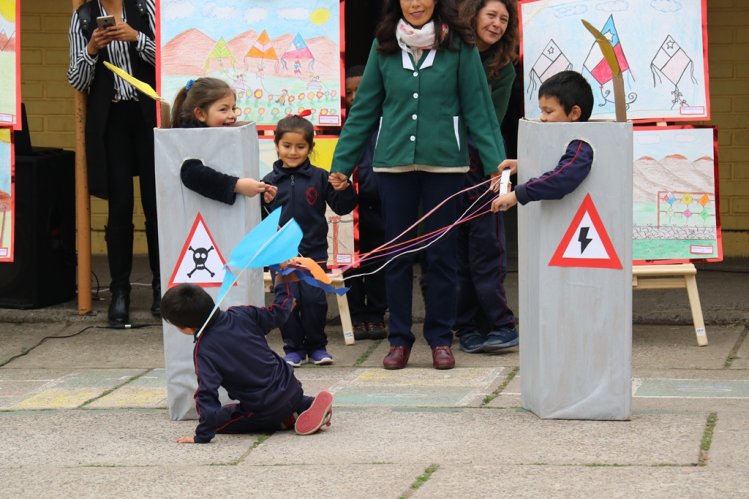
[341,228]
[661,46]
[6,196]
[10,66]
[280,56]
[676,215]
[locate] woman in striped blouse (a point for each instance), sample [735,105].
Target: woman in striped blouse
[119,131]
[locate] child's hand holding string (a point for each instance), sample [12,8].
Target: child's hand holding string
[339,181]
[250,187]
[270,193]
[504,202]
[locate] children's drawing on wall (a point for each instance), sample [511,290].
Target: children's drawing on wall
[675,205]
[671,64]
[281,56]
[550,62]
[663,38]
[9,100]
[340,228]
[6,197]
[596,65]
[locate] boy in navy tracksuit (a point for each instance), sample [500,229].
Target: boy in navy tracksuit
[564,97]
[232,352]
[304,190]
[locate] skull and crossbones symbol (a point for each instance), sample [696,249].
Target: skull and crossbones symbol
[200,256]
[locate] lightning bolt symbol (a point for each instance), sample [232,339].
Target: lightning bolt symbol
[584,239]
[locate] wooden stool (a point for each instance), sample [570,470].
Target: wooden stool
[343,311]
[682,275]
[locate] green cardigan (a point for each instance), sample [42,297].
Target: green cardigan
[421,112]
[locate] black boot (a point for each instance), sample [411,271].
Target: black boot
[152,239]
[119,308]
[120,256]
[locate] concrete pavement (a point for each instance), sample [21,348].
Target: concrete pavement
[83,414]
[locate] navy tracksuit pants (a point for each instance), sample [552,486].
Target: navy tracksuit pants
[304,330]
[482,302]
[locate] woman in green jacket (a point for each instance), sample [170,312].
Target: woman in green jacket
[423,87]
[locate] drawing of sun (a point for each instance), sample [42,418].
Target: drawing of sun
[320,16]
[8,10]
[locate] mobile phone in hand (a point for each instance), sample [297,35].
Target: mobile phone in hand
[105,21]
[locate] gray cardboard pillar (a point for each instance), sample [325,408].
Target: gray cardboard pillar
[231,150]
[575,305]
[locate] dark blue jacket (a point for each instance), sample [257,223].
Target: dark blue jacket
[232,352]
[569,173]
[303,192]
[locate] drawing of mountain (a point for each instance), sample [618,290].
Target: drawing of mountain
[240,44]
[186,53]
[672,173]
[7,44]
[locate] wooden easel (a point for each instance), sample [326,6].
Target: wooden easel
[343,311]
[683,275]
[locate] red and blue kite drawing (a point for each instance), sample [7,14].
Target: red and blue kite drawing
[600,70]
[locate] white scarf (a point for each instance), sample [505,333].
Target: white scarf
[415,40]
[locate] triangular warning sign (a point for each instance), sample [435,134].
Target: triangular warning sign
[200,261]
[586,242]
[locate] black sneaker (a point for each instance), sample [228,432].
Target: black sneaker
[472,342]
[376,330]
[360,331]
[506,337]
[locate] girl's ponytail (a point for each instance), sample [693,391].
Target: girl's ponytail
[177,120]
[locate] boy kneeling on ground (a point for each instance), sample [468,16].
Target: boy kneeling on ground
[232,352]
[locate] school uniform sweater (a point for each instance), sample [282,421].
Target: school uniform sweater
[232,352]
[572,169]
[421,111]
[303,192]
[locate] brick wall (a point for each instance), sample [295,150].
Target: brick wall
[728,53]
[49,100]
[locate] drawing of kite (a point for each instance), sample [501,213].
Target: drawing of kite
[262,49]
[551,61]
[596,64]
[672,62]
[219,56]
[298,51]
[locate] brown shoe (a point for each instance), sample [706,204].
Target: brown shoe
[442,357]
[397,357]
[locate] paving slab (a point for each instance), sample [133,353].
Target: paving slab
[379,435]
[176,481]
[503,480]
[684,386]
[108,438]
[56,389]
[419,387]
[17,339]
[148,391]
[675,347]
[98,347]
[730,443]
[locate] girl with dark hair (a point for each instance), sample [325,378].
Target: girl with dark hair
[304,190]
[422,88]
